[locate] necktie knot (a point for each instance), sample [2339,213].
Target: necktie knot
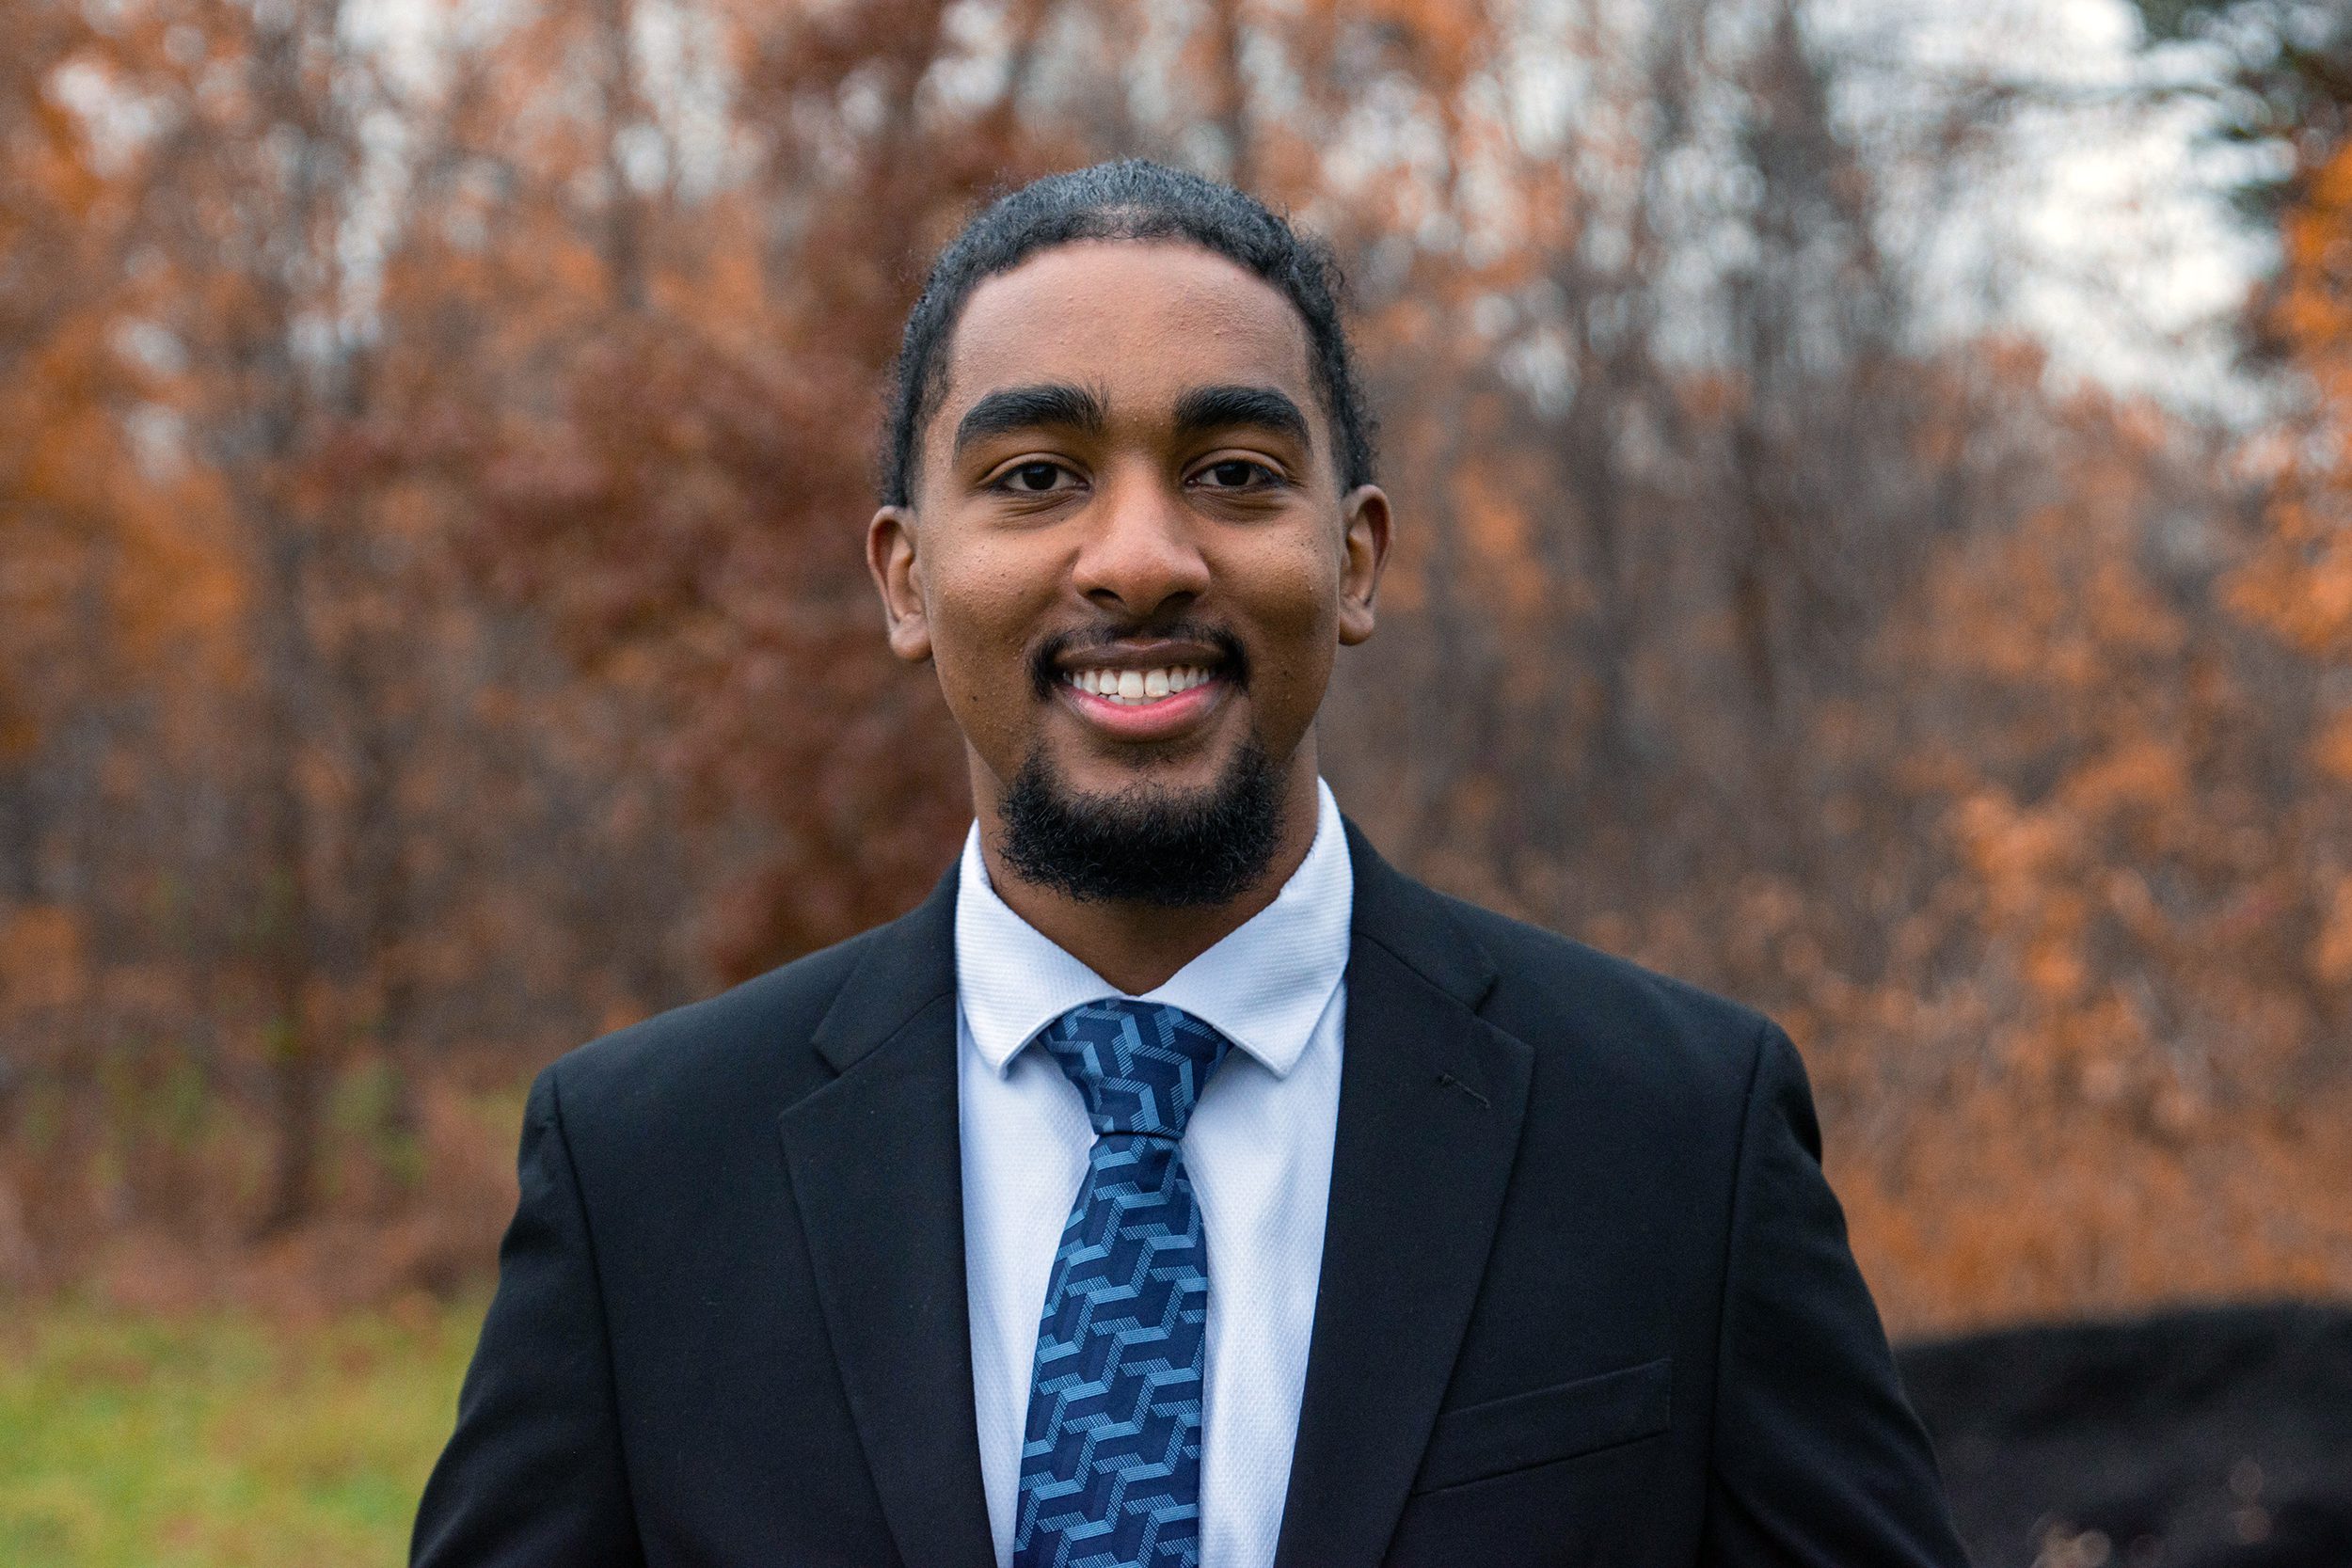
[1139,1065]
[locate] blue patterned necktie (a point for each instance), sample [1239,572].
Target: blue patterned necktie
[1110,1469]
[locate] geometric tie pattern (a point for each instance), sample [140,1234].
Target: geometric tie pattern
[1110,1469]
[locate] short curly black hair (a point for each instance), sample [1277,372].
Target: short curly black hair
[1130,200]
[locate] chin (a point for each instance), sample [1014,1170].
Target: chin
[1147,837]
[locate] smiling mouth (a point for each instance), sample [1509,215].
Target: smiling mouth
[1144,682]
[1140,688]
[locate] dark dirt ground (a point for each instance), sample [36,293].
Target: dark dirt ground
[2217,1437]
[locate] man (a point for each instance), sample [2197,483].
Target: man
[1180,1184]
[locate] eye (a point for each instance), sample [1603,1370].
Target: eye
[1035,479]
[1237,473]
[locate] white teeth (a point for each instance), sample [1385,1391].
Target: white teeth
[1129,687]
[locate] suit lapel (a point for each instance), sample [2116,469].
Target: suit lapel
[1430,1102]
[877,1173]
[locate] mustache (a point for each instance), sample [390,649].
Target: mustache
[1044,669]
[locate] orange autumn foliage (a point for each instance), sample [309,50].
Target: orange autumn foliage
[433,629]
[2302,583]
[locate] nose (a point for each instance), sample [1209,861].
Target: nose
[1140,559]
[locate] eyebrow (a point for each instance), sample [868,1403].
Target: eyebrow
[1046,405]
[1208,409]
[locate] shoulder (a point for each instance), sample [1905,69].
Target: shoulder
[746,1047]
[1633,1028]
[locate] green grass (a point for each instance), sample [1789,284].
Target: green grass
[220,1440]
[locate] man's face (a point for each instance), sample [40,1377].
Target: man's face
[1127,553]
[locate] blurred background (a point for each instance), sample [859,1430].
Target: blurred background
[1875,482]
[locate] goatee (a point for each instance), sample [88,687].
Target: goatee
[1143,843]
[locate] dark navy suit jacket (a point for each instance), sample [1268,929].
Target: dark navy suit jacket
[1586,1298]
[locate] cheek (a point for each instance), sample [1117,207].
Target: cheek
[983,611]
[1294,599]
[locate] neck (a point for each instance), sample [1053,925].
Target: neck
[1137,946]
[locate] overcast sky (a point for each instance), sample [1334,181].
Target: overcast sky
[2098,221]
[2101,223]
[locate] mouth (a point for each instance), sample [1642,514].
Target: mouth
[1131,688]
[1144,689]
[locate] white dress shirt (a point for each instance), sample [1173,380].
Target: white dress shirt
[1258,1150]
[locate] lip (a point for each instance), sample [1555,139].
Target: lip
[1164,720]
[1131,654]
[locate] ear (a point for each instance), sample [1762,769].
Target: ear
[1364,514]
[890,556]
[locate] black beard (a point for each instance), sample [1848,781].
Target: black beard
[1144,845]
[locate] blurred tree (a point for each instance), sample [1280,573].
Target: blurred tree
[2286,78]
[430,505]
[252,839]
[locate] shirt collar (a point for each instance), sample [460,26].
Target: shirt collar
[1264,985]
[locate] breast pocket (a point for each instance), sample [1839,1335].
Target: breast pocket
[1482,1441]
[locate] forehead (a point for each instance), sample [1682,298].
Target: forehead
[1137,321]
